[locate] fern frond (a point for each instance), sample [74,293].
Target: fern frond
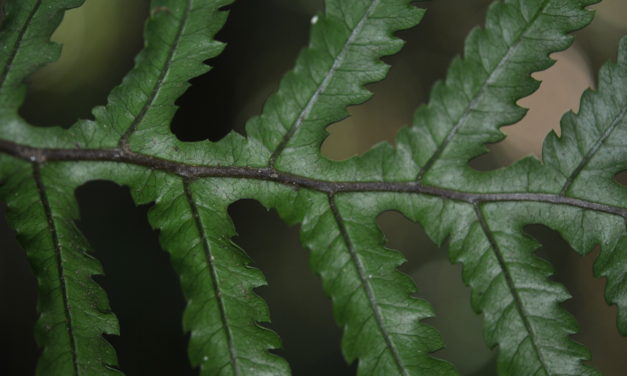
[611,265]
[463,115]
[480,215]
[587,156]
[26,46]
[371,298]
[480,91]
[178,39]
[591,149]
[222,311]
[74,311]
[583,230]
[510,286]
[344,54]
[519,303]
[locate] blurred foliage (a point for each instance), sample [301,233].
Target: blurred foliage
[100,40]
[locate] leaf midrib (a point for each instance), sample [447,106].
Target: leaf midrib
[123,142]
[588,157]
[190,171]
[215,280]
[52,229]
[365,284]
[511,286]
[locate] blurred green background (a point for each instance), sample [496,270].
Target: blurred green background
[264,37]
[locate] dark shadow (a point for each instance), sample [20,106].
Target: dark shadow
[440,283]
[263,41]
[300,311]
[621,178]
[18,296]
[143,289]
[98,52]
[408,237]
[492,160]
